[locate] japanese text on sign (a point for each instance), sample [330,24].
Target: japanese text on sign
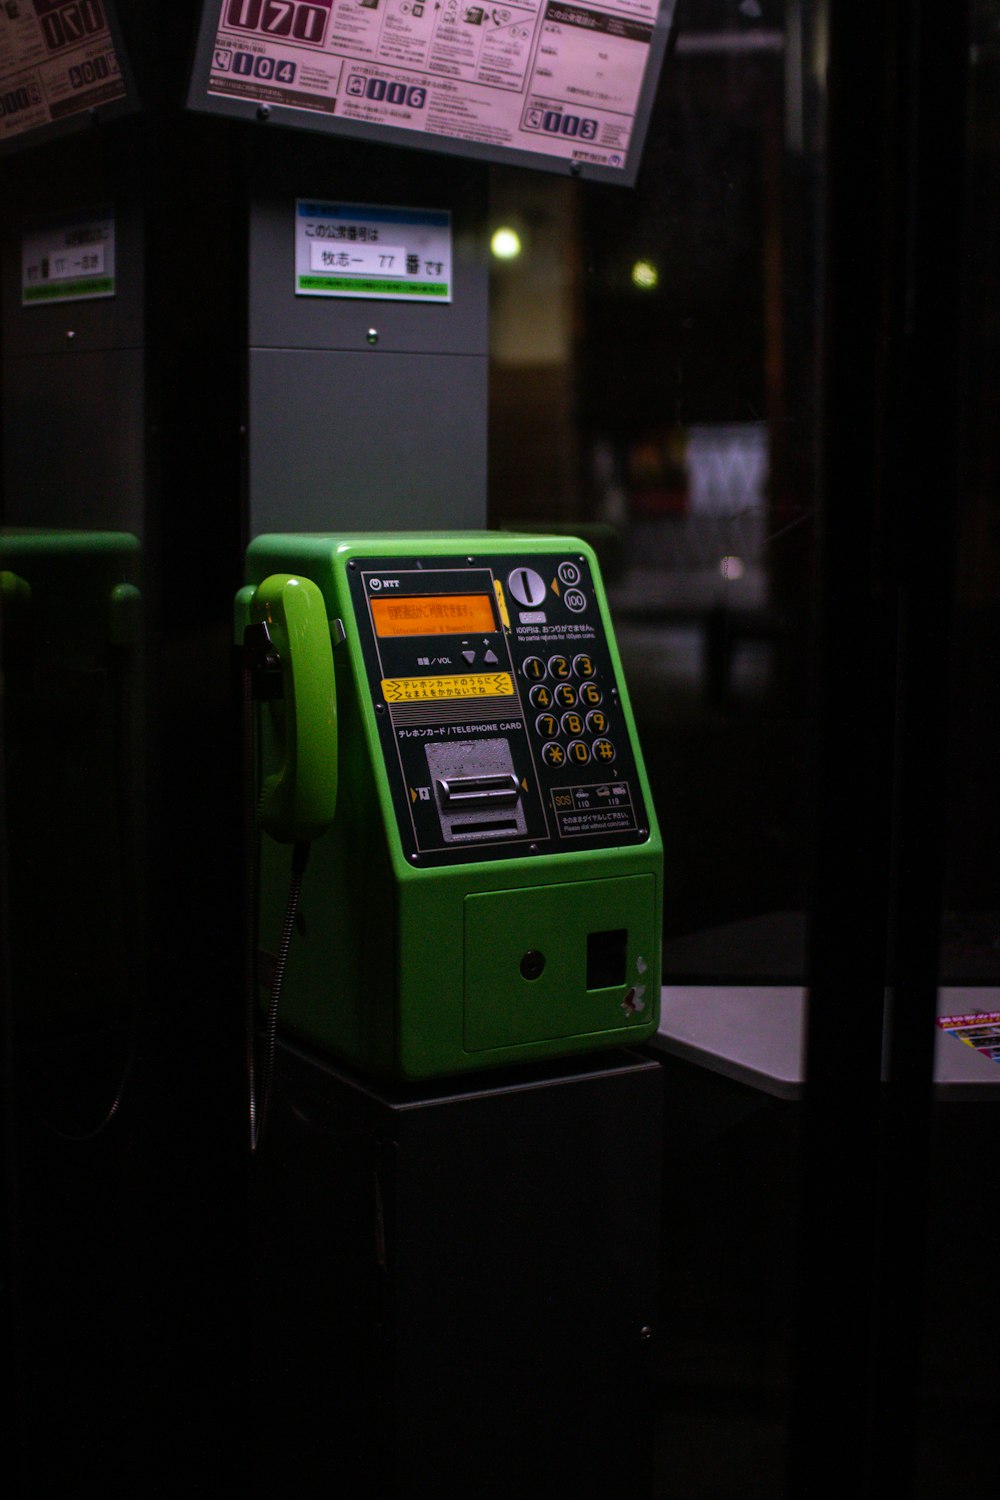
[357,250]
[57,59]
[425,689]
[556,79]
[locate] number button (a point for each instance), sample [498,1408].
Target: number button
[553,754]
[533,668]
[579,752]
[547,726]
[565,695]
[583,666]
[559,667]
[591,695]
[540,696]
[604,750]
[597,721]
[572,723]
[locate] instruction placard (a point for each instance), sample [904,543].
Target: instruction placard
[545,76]
[57,58]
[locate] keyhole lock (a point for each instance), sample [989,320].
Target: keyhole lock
[532,964]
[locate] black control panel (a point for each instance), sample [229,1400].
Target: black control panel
[498,706]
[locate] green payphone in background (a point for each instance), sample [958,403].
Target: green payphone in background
[445,724]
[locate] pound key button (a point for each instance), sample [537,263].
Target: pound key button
[604,750]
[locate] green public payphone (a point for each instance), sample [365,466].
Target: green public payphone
[448,728]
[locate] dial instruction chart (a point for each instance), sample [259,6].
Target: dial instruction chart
[547,77]
[57,59]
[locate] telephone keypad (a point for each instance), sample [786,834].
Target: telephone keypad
[578,736]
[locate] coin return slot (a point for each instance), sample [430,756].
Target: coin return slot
[477,791]
[606,958]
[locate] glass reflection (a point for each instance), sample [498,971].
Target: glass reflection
[73,686]
[653,382]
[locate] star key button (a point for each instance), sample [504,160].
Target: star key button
[553,754]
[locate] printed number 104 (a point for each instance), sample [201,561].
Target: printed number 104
[247,65]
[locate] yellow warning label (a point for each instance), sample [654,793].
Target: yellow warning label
[501,603]
[425,689]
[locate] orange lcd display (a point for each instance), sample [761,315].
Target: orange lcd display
[433,614]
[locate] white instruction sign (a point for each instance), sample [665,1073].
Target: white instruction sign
[544,76]
[357,250]
[69,260]
[57,58]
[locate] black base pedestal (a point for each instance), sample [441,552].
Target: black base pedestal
[456,1285]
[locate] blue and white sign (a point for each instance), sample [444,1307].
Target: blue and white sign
[357,250]
[69,259]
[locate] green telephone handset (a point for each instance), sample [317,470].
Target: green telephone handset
[298,802]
